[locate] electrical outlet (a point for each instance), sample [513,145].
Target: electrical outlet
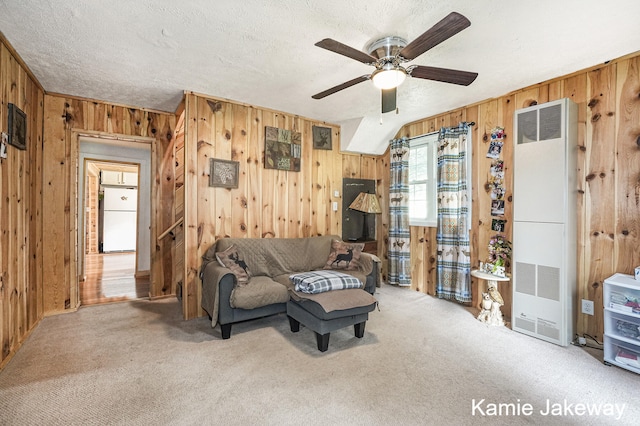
[587,307]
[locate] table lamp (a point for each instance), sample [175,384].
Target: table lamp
[365,203]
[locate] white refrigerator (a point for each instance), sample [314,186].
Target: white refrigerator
[119,228]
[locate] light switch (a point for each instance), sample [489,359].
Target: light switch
[335,206]
[336,193]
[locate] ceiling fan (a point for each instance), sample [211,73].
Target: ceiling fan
[389,53]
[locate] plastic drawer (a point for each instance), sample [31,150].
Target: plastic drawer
[622,353]
[619,325]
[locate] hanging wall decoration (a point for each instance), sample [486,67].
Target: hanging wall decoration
[321,137]
[223,173]
[282,149]
[496,180]
[495,147]
[17,127]
[497,225]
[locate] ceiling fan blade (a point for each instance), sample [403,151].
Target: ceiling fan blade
[449,26]
[389,99]
[344,50]
[463,78]
[342,86]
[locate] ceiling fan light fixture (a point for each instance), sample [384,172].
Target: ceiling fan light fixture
[388,77]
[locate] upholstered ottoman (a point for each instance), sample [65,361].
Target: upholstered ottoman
[330,311]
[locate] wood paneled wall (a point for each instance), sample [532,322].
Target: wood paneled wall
[65,118]
[20,208]
[608,99]
[267,203]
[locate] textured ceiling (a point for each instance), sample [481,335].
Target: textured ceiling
[146,53]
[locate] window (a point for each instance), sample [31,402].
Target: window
[423,153]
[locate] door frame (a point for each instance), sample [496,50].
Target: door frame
[78,216]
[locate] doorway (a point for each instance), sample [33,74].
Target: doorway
[114,221]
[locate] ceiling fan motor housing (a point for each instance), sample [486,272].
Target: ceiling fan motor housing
[386,48]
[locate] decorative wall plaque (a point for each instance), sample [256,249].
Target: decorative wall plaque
[223,173]
[321,137]
[282,149]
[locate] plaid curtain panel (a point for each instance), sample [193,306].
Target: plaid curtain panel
[399,241]
[453,279]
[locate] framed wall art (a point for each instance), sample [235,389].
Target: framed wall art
[17,127]
[223,173]
[322,137]
[282,149]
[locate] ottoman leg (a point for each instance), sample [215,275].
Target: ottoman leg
[359,329]
[294,324]
[323,341]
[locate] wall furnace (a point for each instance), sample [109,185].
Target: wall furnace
[544,221]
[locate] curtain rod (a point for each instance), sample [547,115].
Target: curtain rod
[470,123]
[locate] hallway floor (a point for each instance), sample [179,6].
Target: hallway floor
[111,278]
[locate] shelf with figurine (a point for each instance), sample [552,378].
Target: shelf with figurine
[492,270]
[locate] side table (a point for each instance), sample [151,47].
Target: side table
[491,300]
[370,247]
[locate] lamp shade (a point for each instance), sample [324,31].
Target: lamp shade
[366,203]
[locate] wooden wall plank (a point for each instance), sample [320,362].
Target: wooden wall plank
[222,143]
[596,191]
[35,306]
[239,150]
[205,121]
[54,172]
[305,183]
[5,305]
[16,170]
[192,230]
[269,182]
[627,167]
[383,219]
[254,166]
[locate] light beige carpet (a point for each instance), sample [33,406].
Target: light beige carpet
[421,361]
